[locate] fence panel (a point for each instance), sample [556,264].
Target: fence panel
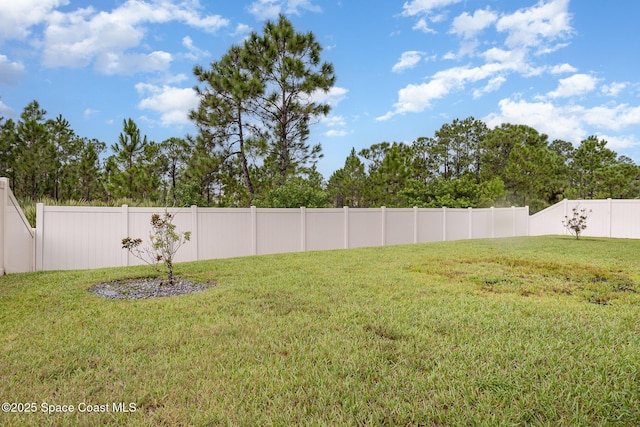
[625,219]
[548,221]
[503,221]
[224,233]
[457,221]
[608,218]
[325,229]
[399,226]
[278,230]
[17,238]
[79,237]
[481,223]
[430,225]
[365,227]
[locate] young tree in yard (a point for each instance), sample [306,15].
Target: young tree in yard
[165,242]
[577,223]
[292,75]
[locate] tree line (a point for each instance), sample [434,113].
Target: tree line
[256,106]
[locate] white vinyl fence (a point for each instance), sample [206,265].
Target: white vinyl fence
[17,238]
[608,218]
[71,237]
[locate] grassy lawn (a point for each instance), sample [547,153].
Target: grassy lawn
[525,331]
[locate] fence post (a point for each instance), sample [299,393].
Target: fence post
[303,228]
[415,224]
[493,222]
[39,236]
[254,231]
[610,215]
[470,211]
[4,183]
[444,223]
[346,227]
[194,232]
[124,231]
[513,221]
[383,225]
[566,214]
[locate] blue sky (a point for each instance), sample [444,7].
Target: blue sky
[569,69]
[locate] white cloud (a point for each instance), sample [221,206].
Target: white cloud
[241,30]
[426,8]
[336,133]
[416,98]
[333,121]
[195,53]
[578,84]
[333,97]
[10,71]
[569,122]
[86,36]
[468,26]
[118,63]
[614,88]
[537,25]
[562,69]
[407,60]
[89,112]
[415,7]
[172,103]
[270,9]
[294,6]
[617,143]
[558,123]
[493,85]
[17,17]
[5,109]
[265,9]
[423,26]
[613,117]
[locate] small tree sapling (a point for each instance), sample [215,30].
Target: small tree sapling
[578,221]
[165,242]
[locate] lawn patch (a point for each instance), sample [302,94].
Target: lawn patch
[485,332]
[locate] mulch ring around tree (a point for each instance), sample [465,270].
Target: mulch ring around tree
[148,287]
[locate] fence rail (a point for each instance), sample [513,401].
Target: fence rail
[71,237]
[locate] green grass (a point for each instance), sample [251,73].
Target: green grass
[525,331]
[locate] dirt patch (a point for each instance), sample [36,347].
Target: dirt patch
[148,287]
